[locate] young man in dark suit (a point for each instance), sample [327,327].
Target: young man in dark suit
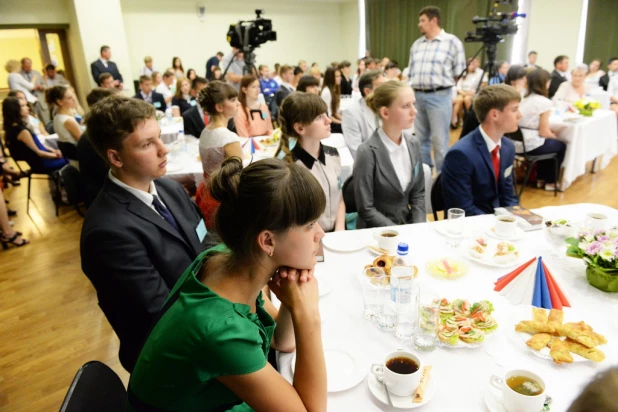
[559,75]
[104,65]
[477,175]
[142,231]
[612,70]
[287,78]
[147,94]
[195,120]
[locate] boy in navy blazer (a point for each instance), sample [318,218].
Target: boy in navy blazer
[147,94]
[477,175]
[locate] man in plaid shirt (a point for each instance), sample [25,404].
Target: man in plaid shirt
[435,60]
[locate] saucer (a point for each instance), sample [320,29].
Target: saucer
[519,233]
[373,251]
[401,402]
[494,403]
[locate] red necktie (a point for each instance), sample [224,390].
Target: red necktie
[206,119]
[495,160]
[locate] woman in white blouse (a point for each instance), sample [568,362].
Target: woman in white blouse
[466,89]
[18,82]
[65,125]
[574,89]
[594,75]
[539,139]
[331,94]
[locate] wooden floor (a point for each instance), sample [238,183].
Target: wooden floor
[50,323]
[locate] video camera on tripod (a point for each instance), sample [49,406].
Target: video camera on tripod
[248,35]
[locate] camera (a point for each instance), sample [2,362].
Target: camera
[493,28]
[250,34]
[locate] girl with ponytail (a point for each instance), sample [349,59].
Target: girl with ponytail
[304,123]
[208,349]
[63,99]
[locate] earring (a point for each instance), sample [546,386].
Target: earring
[271,253]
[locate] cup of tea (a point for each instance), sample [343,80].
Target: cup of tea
[596,221]
[387,239]
[522,391]
[505,226]
[401,372]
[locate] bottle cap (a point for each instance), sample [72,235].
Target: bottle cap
[402,248]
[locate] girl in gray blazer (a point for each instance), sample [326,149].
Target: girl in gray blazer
[389,182]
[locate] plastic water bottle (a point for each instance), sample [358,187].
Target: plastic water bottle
[182,141]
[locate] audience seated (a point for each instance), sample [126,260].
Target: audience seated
[303,118]
[104,65]
[599,394]
[212,64]
[253,118]
[477,175]
[191,74]
[147,94]
[503,68]
[309,84]
[234,64]
[360,70]
[302,65]
[23,143]
[141,232]
[612,70]
[164,87]
[157,78]
[18,83]
[359,122]
[177,68]
[194,118]
[217,74]
[594,75]
[148,68]
[269,88]
[52,78]
[217,142]
[574,89]
[106,80]
[316,73]
[559,75]
[92,168]
[345,68]
[35,124]
[388,169]
[287,78]
[538,137]
[467,85]
[208,349]
[331,94]
[516,77]
[372,64]
[65,125]
[183,98]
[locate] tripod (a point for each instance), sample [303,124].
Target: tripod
[490,65]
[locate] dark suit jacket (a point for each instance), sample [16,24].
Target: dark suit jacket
[97,68]
[379,198]
[556,81]
[468,179]
[604,81]
[133,257]
[194,123]
[158,101]
[281,94]
[92,169]
[182,104]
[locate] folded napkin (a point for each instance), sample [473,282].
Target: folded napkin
[561,296]
[506,279]
[545,297]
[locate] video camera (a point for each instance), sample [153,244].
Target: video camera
[248,35]
[493,28]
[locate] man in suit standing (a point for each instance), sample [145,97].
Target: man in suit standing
[612,70]
[559,75]
[148,95]
[477,175]
[359,122]
[194,118]
[40,107]
[287,77]
[104,65]
[141,232]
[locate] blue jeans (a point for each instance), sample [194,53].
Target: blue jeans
[432,122]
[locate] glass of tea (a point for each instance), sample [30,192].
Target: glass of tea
[522,391]
[401,371]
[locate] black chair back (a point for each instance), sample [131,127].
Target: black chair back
[49,127]
[71,180]
[69,150]
[470,122]
[517,135]
[348,195]
[437,200]
[95,388]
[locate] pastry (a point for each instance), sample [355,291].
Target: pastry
[532,327]
[539,315]
[585,327]
[589,353]
[539,341]
[461,307]
[505,253]
[559,352]
[385,262]
[556,315]
[448,335]
[470,334]
[585,337]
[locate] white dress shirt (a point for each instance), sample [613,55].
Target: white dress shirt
[400,158]
[612,87]
[164,90]
[104,62]
[491,145]
[288,86]
[146,197]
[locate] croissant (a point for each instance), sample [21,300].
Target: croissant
[533,327]
[539,341]
[559,352]
[539,315]
[589,353]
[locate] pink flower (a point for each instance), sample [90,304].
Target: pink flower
[602,238]
[594,248]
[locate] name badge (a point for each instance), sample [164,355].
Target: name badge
[157,105]
[201,230]
[508,171]
[193,102]
[416,168]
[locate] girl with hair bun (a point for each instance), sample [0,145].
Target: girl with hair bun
[208,349]
[388,171]
[65,102]
[304,123]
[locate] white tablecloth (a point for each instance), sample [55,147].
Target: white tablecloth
[462,375]
[586,139]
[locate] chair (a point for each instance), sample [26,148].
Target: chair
[40,175]
[95,388]
[71,180]
[69,150]
[470,123]
[49,127]
[437,200]
[530,160]
[348,195]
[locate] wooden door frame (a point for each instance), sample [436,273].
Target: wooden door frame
[64,47]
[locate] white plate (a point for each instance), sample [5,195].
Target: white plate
[524,312]
[488,259]
[343,242]
[519,233]
[441,225]
[346,365]
[401,402]
[324,286]
[493,400]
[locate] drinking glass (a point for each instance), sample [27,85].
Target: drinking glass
[426,333]
[373,281]
[407,292]
[557,232]
[387,311]
[454,227]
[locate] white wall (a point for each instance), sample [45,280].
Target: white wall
[553,30]
[309,30]
[34,12]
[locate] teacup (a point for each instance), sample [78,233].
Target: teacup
[514,401]
[387,239]
[505,226]
[596,221]
[406,376]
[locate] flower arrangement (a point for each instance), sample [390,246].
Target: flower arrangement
[587,106]
[599,249]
